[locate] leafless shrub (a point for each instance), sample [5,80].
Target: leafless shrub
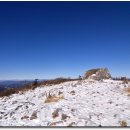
[125,82]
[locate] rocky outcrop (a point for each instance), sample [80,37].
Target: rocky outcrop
[97,74]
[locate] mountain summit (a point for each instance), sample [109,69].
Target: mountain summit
[74,103]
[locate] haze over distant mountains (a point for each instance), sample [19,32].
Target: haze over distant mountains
[4,84]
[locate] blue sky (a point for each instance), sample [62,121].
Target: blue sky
[53,39]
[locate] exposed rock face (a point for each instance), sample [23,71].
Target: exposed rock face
[97,74]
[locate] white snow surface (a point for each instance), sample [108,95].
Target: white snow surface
[84,103]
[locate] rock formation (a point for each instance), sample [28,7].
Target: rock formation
[97,74]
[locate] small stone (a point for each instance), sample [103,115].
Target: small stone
[64,116]
[34,116]
[24,117]
[72,92]
[55,113]
[100,126]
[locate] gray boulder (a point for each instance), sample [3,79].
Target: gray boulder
[97,74]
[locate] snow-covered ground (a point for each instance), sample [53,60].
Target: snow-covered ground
[78,103]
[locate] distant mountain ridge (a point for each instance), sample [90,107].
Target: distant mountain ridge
[4,84]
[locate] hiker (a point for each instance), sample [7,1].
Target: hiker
[35,84]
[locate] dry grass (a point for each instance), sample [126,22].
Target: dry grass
[123,124]
[25,88]
[53,98]
[56,81]
[127,90]
[11,91]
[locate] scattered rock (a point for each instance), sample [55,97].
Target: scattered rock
[27,107]
[54,123]
[72,110]
[34,115]
[71,124]
[64,116]
[1,112]
[55,113]
[12,113]
[115,115]
[14,102]
[18,107]
[24,117]
[60,93]
[110,102]
[72,92]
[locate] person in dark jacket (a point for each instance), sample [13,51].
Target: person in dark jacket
[35,84]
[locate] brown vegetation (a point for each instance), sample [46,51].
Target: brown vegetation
[123,124]
[53,98]
[10,91]
[56,81]
[127,90]
[30,86]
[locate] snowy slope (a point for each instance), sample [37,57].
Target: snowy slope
[80,103]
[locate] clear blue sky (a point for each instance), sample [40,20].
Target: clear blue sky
[52,39]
